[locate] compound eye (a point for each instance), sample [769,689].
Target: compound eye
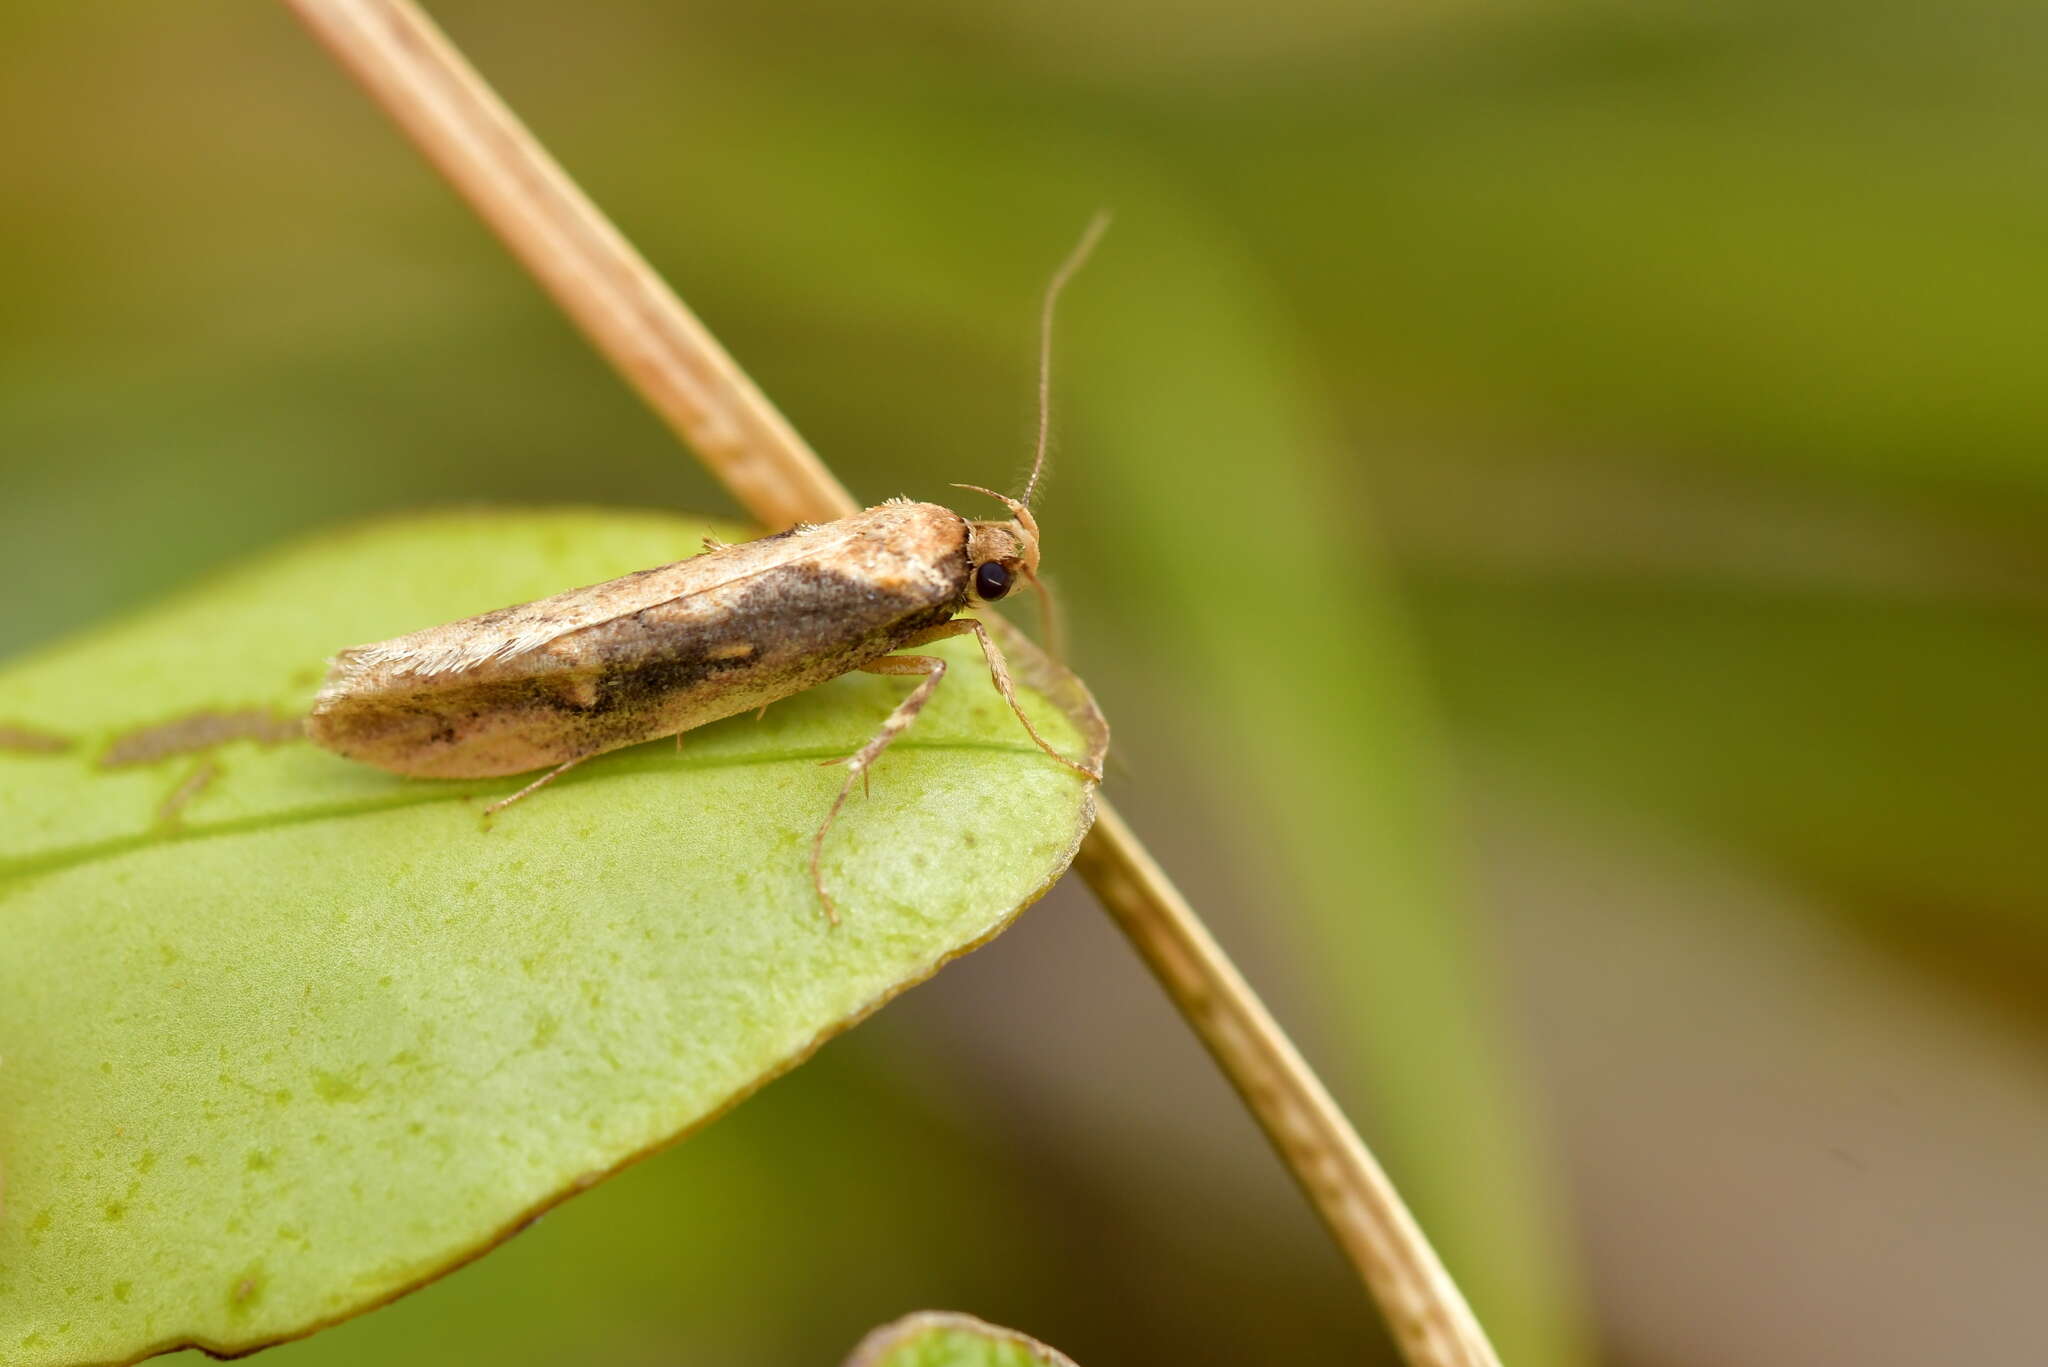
[992,580]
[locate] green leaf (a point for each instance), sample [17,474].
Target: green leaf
[937,1338]
[318,1034]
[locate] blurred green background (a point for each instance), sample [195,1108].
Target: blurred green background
[1552,495]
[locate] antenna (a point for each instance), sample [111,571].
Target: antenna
[1075,260]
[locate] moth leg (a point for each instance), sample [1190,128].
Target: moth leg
[193,784]
[933,669]
[865,790]
[543,781]
[999,670]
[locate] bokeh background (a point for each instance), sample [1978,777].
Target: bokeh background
[1552,494]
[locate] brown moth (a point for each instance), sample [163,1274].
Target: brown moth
[554,682]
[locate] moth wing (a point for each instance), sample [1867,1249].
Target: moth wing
[482,644]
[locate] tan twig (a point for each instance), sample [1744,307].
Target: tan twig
[1424,1308]
[413,72]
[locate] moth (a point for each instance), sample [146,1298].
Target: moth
[552,683]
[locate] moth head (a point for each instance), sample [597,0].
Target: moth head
[998,553]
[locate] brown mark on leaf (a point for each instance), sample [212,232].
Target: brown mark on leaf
[24,740]
[198,731]
[247,1290]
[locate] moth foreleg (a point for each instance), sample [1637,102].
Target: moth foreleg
[999,670]
[898,721]
[543,781]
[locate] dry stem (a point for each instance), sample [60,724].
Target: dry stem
[411,69]
[637,323]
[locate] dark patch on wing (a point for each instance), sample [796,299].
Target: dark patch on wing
[26,740]
[198,731]
[801,618]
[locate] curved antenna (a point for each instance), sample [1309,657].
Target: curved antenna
[1016,507]
[1077,258]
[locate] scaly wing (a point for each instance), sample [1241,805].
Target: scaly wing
[481,644]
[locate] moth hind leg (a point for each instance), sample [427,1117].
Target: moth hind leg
[170,811]
[543,781]
[933,669]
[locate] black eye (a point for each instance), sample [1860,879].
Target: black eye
[992,581]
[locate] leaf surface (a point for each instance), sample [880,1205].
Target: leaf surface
[938,1338]
[282,1036]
